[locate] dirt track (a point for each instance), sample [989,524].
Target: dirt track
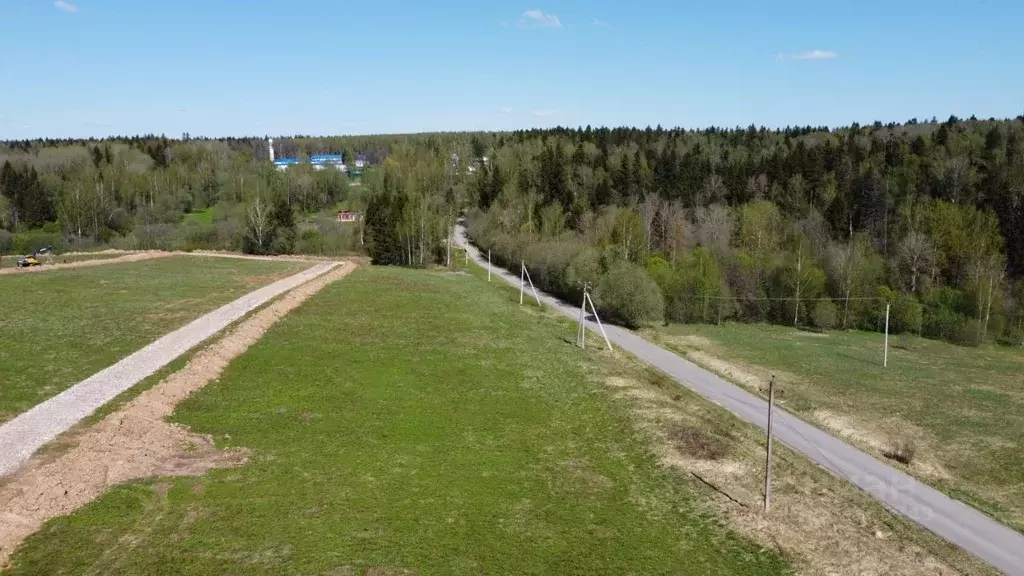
[135,442]
[127,257]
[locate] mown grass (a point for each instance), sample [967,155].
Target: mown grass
[963,406]
[407,420]
[61,326]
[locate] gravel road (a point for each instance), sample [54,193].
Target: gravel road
[26,433]
[976,533]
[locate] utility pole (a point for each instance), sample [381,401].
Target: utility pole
[768,452]
[885,358]
[581,332]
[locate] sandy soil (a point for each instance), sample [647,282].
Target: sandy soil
[135,442]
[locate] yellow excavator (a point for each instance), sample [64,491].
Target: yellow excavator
[33,260]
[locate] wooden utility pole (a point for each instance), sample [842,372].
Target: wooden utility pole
[581,332]
[768,451]
[885,358]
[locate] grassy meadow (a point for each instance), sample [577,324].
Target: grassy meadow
[61,326]
[961,410]
[438,430]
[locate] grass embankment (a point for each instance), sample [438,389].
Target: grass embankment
[62,326]
[407,420]
[960,409]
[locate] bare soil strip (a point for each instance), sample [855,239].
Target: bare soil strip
[29,431]
[135,442]
[128,257]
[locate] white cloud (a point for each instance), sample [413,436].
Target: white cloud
[538,19]
[601,23]
[506,110]
[544,113]
[811,55]
[66,6]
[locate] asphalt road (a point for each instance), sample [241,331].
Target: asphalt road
[996,544]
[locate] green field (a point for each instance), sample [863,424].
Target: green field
[11,261]
[61,326]
[963,408]
[439,429]
[199,217]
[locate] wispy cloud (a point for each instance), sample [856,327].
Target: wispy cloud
[810,55]
[544,113]
[601,23]
[66,6]
[538,19]
[506,110]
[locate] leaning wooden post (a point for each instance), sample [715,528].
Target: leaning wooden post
[885,357]
[768,451]
[522,281]
[598,320]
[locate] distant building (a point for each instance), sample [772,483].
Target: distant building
[346,216]
[282,164]
[319,161]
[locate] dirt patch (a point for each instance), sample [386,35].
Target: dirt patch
[697,443]
[846,428]
[135,442]
[130,257]
[741,375]
[689,341]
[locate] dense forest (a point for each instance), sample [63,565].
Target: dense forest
[804,226]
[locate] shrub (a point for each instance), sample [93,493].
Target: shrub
[824,315]
[6,241]
[968,333]
[310,242]
[26,242]
[901,447]
[906,314]
[154,237]
[202,237]
[628,296]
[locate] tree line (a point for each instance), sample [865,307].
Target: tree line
[804,225]
[800,226]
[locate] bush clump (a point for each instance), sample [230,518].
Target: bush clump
[628,296]
[824,315]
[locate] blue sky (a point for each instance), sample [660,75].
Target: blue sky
[225,67]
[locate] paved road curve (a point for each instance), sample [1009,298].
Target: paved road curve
[1000,546]
[22,436]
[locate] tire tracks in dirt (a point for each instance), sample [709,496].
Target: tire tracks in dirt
[135,441]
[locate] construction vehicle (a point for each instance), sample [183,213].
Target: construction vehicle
[33,260]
